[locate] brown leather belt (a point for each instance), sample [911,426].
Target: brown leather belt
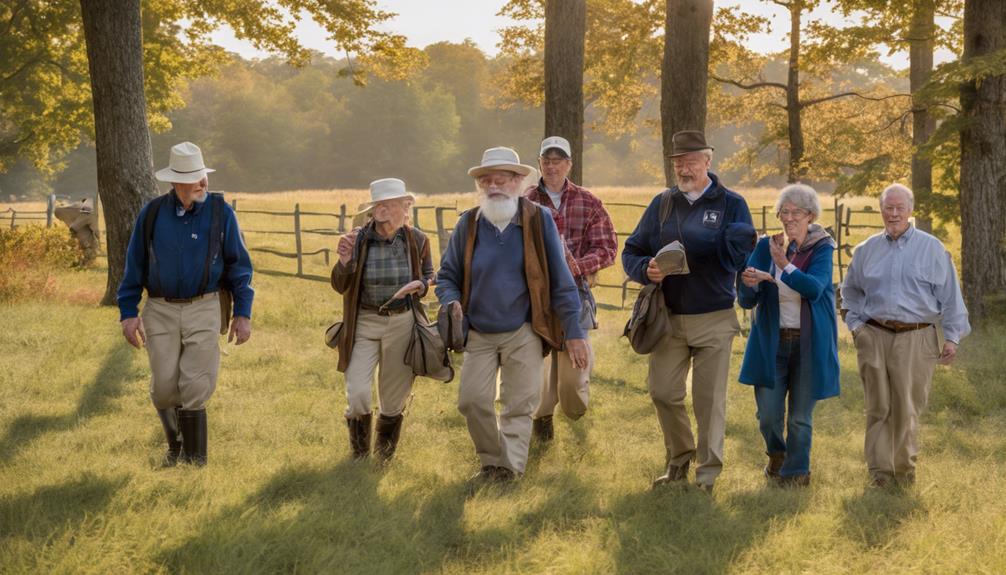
[897,326]
[789,333]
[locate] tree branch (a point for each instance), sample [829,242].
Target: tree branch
[743,86]
[815,101]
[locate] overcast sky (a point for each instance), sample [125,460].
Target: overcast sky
[424,22]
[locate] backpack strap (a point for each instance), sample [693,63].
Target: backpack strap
[216,239]
[149,219]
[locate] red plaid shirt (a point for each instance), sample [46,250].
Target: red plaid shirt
[584,225]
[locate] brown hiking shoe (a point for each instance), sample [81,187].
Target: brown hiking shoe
[674,473]
[775,461]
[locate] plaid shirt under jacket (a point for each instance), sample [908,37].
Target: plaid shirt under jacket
[386,270]
[584,225]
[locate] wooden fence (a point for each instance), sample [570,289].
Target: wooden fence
[842,220]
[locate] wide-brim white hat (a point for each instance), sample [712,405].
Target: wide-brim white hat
[497,159]
[185,166]
[386,189]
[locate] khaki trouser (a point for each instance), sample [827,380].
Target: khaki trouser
[501,440]
[897,370]
[564,385]
[379,340]
[702,342]
[183,344]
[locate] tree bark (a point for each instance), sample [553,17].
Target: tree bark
[794,108]
[983,159]
[921,44]
[685,71]
[122,142]
[565,29]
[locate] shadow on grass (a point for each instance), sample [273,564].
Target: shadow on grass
[326,520]
[95,400]
[52,510]
[680,529]
[872,518]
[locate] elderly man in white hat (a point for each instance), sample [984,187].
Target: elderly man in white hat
[380,266]
[185,248]
[591,245]
[505,271]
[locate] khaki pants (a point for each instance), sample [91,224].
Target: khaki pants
[183,344]
[564,385]
[380,340]
[516,356]
[897,370]
[702,342]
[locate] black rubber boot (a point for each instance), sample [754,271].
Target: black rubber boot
[386,434]
[169,420]
[542,429]
[359,436]
[193,426]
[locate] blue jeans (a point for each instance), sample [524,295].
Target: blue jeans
[789,388]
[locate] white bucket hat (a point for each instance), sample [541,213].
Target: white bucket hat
[496,159]
[385,189]
[557,142]
[185,165]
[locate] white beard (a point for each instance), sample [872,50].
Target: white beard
[499,212]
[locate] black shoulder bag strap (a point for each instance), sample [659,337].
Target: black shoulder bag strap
[666,208]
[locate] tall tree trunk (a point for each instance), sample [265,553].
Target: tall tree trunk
[921,67]
[565,29]
[983,159]
[122,142]
[685,71]
[796,169]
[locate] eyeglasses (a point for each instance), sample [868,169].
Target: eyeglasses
[552,160]
[690,163]
[796,213]
[494,180]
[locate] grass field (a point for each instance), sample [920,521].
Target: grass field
[80,490]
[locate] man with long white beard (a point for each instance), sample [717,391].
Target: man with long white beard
[505,271]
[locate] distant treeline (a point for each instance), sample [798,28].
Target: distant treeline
[267,126]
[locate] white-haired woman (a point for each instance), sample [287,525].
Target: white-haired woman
[792,354]
[388,262]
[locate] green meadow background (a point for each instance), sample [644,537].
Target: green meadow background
[81,490]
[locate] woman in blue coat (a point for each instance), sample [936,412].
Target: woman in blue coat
[792,354]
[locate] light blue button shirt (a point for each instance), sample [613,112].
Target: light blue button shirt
[911,279]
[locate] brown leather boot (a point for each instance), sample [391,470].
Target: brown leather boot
[169,421]
[386,434]
[359,436]
[775,461]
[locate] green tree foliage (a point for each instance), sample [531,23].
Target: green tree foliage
[45,106]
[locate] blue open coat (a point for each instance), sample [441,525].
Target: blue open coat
[818,323]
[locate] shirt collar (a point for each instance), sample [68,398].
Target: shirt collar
[544,190]
[903,237]
[180,209]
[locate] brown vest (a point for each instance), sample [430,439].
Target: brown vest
[543,321]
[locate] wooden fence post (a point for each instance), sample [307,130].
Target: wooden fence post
[764,220]
[50,207]
[342,219]
[838,237]
[296,231]
[13,214]
[234,205]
